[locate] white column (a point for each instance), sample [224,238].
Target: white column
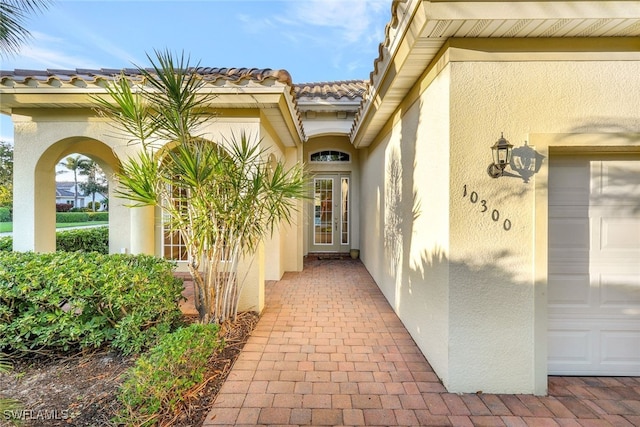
[142,230]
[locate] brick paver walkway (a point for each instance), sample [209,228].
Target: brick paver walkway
[329,350]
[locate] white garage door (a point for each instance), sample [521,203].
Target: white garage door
[594,266]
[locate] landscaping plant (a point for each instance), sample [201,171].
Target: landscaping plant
[62,301]
[94,239]
[161,378]
[90,239]
[222,197]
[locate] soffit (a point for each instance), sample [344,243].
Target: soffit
[238,88]
[419,29]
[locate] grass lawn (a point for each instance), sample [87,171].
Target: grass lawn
[8,226]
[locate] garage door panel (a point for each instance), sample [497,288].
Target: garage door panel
[577,293]
[619,291]
[619,348]
[570,232]
[594,347]
[616,181]
[594,266]
[620,234]
[570,346]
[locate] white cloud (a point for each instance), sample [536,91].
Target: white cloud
[354,20]
[349,21]
[44,51]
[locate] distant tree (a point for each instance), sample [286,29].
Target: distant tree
[75,164]
[6,173]
[13,17]
[96,181]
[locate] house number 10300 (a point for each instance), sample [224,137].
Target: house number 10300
[495,214]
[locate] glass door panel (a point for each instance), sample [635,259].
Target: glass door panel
[331,209]
[323,205]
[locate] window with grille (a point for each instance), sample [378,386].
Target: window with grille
[330,156]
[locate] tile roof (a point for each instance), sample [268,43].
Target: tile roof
[100,77]
[95,75]
[352,89]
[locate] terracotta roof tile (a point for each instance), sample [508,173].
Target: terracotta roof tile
[92,75]
[80,77]
[351,89]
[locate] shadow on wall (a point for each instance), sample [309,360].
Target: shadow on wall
[398,220]
[607,127]
[402,204]
[619,177]
[463,315]
[525,163]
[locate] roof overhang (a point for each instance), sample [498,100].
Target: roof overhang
[419,29]
[275,98]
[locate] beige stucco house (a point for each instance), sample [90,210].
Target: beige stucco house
[501,281]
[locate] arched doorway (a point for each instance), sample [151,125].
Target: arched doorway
[35,195]
[333,216]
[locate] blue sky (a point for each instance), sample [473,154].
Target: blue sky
[315,40]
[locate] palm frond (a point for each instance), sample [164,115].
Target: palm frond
[14,15]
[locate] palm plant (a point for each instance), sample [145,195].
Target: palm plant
[13,15]
[96,181]
[222,198]
[76,164]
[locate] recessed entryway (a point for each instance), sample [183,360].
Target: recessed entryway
[594,265]
[330,228]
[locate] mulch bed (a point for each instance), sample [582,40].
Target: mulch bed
[81,390]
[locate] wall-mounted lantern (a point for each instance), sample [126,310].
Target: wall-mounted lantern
[501,152]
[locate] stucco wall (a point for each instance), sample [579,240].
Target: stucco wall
[405,225]
[460,276]
[41,141]
[492,342]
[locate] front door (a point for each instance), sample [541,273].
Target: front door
[330,225]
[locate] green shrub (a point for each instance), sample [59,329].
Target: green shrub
[6,244]
[67,301]
[98,216]
[95,239]
[94,206]
[5,214]
[67,217]
[160,379]
[82,239]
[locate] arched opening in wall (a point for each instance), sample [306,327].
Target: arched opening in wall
[81,186]
[74,179]
[82,202]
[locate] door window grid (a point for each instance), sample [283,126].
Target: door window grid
[323,215]
[344,224]
[173,247]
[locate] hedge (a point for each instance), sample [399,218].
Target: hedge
[94,239]
[66,217]
[98,216]
[60,302]
[5,214]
